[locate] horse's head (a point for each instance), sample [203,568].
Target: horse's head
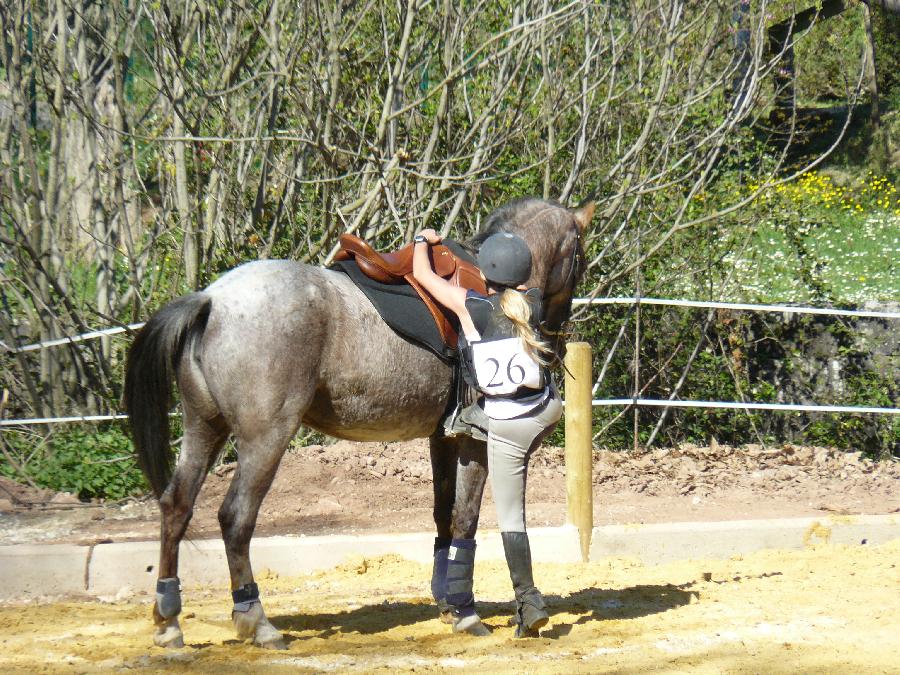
[554,236]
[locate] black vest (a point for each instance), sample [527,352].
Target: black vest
[492,324]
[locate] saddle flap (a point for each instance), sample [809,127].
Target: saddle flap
[469,277]
[443,262]
[396,268]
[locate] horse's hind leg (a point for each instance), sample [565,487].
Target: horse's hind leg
[200,446]
[258,460]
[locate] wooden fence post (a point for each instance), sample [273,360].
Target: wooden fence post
[579,492]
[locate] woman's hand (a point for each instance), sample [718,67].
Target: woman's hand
[431,236]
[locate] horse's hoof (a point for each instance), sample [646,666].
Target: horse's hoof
[533,632]
[470,624]
[271,644]
[531,623]
[268,637]
[169,637]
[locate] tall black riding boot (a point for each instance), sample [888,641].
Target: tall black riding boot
[460,599]
[531,614]
[439,576]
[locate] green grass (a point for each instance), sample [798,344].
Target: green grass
[846,262]
[815,241]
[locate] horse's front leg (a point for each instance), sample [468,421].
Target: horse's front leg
[456,509]
[443,473]
[258,460]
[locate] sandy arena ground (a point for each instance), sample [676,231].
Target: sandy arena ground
[830,609]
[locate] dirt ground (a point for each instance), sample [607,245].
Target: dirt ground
[828,609]
[386,487]
[825,609]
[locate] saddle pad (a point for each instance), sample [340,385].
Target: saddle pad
[401,307]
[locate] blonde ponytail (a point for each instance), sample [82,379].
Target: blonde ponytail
[515,307]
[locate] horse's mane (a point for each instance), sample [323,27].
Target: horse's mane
[516,217]
[512,216]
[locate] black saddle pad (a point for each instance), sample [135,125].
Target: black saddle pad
[400,306]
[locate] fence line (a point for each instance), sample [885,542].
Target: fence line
[741,405]
[738,305]
[736,405]
[75,338]
[58,420]
[650,402]
[701,304]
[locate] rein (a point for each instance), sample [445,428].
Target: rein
[574,263]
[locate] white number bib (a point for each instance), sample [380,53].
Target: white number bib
[502,366]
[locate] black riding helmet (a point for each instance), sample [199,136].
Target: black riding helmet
[505,259]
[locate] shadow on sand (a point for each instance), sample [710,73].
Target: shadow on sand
[593,604]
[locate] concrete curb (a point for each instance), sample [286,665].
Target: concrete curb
[659,543]
[34,570]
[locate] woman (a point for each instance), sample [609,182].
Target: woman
[504,359]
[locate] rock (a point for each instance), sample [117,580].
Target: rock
[822,455]
[328,505]
[65,498]
[225,469]
[124,593]
[6,505]
[786,473]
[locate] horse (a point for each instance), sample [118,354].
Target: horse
[273,344]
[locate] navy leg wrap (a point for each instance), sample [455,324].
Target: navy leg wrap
[460,570]
[245,597]
[439,571]
[168,597]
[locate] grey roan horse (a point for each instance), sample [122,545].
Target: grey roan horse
[275,344]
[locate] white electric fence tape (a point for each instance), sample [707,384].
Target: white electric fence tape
[788,309]
[75,338]
[739,405]
[734,405]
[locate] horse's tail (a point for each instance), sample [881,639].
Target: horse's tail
[149,373]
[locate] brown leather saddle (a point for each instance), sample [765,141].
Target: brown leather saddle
[396,268]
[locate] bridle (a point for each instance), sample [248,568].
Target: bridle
[575,262]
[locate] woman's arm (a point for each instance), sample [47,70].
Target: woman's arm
[450,296]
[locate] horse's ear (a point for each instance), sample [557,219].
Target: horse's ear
[584,213]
